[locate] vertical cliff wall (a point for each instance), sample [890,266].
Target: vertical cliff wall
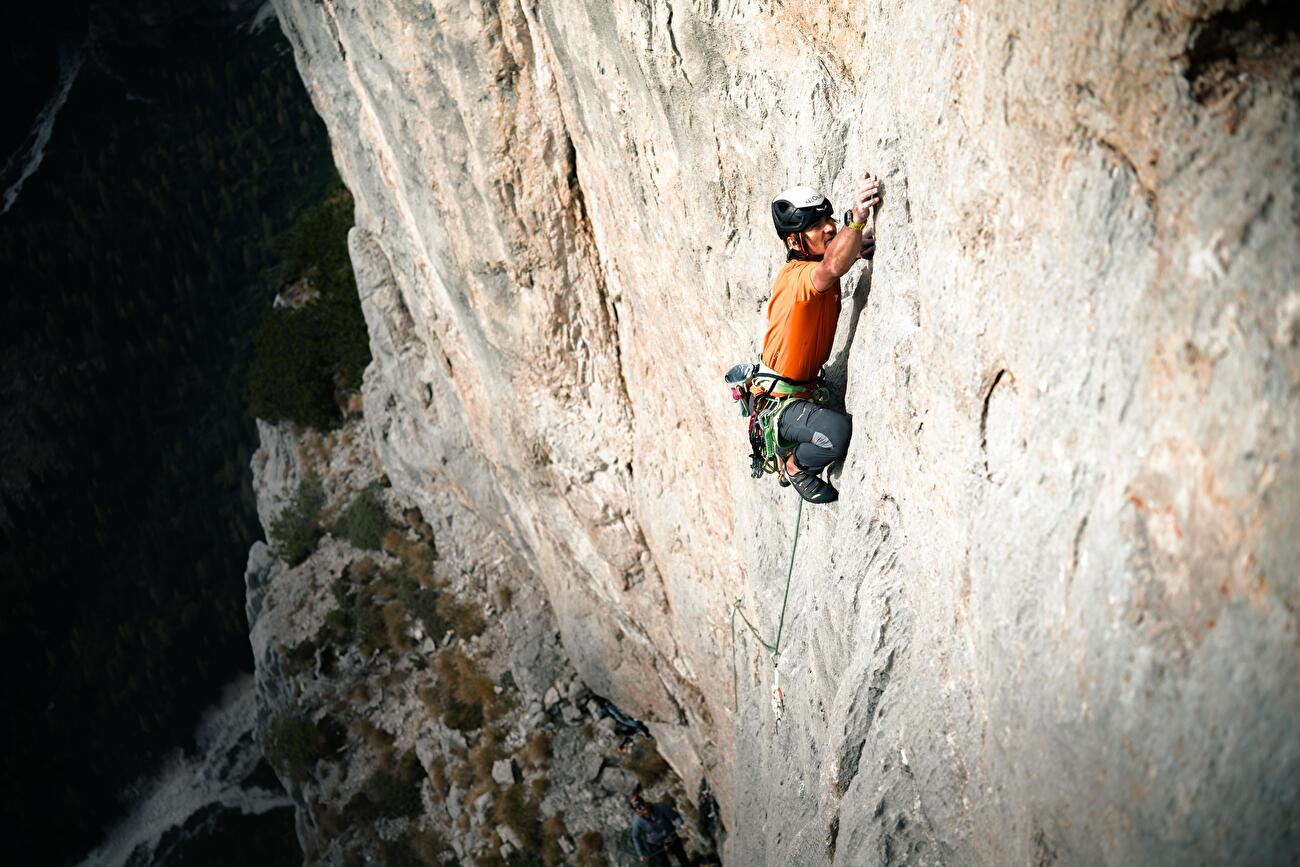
[1053,616]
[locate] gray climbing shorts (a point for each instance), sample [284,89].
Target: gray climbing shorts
[822,434]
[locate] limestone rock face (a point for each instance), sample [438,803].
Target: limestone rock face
[1053,616]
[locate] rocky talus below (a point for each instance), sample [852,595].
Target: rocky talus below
[1052,618]
[414,697]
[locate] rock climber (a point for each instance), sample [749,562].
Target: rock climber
[654,833]
[801,319]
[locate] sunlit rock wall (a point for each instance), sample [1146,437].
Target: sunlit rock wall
[1053,617]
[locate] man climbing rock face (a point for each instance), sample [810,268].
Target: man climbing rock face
[801,319]
[654,833]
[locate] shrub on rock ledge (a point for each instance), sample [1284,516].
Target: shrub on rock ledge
[464,617]
[304,356]
[295,530]
[422,603]
[389,793]
[514,809]
[364,522]
[462,696]
[644,761]
[591,850]
[296,744]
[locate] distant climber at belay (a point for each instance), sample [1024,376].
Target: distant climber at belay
[654,833]
[791,431]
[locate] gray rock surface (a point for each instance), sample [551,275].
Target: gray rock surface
[480,807]
[592,765]
[504,772]
[1053,617]
[510,837]
[618,781]
[454,797]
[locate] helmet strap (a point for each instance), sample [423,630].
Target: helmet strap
[800,250]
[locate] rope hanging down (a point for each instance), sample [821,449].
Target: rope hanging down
[778,699]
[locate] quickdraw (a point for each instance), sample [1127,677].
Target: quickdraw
[778,696]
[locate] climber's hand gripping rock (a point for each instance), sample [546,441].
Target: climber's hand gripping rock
[867,198]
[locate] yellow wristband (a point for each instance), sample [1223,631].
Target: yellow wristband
[858,226]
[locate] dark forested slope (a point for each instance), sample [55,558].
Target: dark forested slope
[135,269]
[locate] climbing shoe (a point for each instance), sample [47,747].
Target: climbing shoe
[813,488]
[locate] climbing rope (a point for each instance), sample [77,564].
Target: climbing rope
[778,699]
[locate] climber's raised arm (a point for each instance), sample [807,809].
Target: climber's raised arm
[846,245]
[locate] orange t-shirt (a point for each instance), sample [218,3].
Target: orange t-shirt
[800,323]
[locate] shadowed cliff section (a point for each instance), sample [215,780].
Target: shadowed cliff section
[1053,616]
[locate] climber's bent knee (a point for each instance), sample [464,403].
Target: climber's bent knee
[822,434]
[838,427]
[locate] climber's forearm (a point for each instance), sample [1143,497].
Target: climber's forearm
[843,250]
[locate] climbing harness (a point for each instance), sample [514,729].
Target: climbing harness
[778,697]
[763,395]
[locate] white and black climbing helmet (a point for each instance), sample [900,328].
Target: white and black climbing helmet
[799,208]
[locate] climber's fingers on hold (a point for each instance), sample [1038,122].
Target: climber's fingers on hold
[871,187]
